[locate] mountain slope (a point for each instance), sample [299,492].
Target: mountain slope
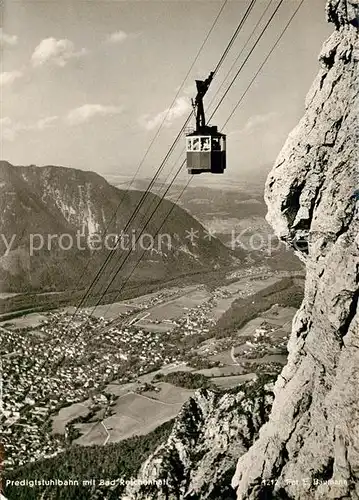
[70,214]
[309,449]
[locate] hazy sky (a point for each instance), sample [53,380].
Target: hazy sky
[85,83]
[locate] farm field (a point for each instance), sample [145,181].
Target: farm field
[272,358]
[249,285]
[4,296]
[134,414]
[67,414]
[237,289]
[107,311]
[173,367]
[283,317]
[232,381]
[161,315]
[169,394]
[110,311]
[225,371]
[148,298]
[29,320]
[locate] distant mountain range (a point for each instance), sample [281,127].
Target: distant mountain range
[57,222]
[236,216]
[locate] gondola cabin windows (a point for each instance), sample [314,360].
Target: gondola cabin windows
[207,143]
[207,152]
[218,143]
[198,144]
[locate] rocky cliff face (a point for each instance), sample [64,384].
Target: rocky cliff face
[309,449]
[199,457]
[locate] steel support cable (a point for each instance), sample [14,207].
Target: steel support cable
[241,52]
[174,204]
[148,150]
[238,103]
[235,34]
[136,241]
[229,45]
[158,171]
[248,56]
[162,197]
[129,222]
[264,62]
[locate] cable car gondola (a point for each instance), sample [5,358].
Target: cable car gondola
[206,147]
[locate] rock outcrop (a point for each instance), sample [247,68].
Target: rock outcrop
[199,457]
[309,448]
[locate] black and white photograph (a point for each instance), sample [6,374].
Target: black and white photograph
[179,250]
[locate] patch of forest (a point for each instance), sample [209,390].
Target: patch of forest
[187,380]
[104,464]
[286,292]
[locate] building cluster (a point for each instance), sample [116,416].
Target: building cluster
[264,342]
[61,362]
[69,359]
[249,272]
[198,320]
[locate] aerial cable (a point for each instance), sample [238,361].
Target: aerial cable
[264,62]
[229,45]
[129,222]
[153,180]
[241,52]
[136,210]
[244,94]
[151,144]
[248,56]
[136,241]
[112,252]
[174,204]
[234,36]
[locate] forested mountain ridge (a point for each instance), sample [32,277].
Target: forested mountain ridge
[54,219]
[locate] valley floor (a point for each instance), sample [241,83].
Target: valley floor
[99,379]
